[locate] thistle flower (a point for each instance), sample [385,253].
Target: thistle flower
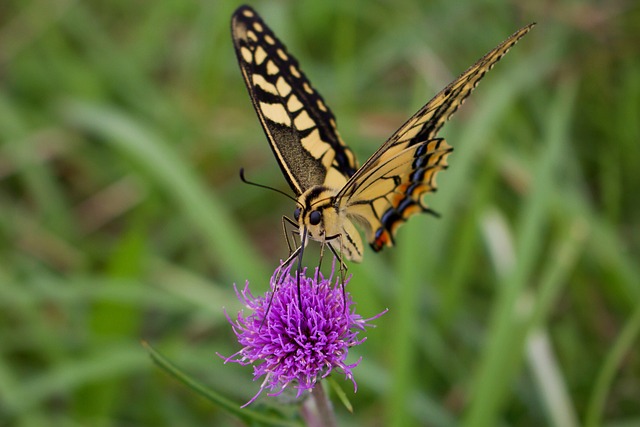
[295,348]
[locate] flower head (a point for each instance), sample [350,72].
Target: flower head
[294,342]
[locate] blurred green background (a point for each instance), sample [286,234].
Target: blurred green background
[122,218]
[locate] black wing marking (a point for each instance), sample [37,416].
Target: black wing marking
[299,126]
[388,188]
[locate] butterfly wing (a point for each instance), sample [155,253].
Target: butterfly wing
[389,187]
[299,126]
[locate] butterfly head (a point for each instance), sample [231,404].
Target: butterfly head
[317,214]
[321,218]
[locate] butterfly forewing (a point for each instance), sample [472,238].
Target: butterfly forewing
[389,187]
[299,126]
[426,123]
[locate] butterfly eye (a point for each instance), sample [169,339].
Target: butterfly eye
[315,217]
[296,214]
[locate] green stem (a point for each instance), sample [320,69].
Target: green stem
[622,346]
[317,411]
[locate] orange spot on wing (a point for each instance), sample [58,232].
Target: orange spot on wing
[411,210]
[421,189]
[396,199]
[383,239]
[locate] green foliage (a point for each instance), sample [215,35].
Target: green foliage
[122,218]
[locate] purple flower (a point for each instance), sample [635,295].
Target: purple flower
[294,347]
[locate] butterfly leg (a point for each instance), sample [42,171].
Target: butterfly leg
[343,268]
[319,261]
[296,253]
[292,256]
[286,220]
[300,250]
[338,254]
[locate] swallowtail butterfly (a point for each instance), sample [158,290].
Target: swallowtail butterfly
[333,193]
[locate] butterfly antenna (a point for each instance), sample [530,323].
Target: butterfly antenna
[246,181]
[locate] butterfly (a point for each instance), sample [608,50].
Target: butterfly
[333,193]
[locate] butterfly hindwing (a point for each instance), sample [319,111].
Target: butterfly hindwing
[392,191]
[389,187]
[299,126]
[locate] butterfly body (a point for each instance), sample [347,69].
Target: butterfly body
[321,217]
[333,193]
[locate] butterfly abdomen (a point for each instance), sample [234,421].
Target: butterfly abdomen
[321,218]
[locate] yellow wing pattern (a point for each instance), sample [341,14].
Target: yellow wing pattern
[389,187]
[301,129]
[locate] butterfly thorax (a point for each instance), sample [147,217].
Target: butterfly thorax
[319,216]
